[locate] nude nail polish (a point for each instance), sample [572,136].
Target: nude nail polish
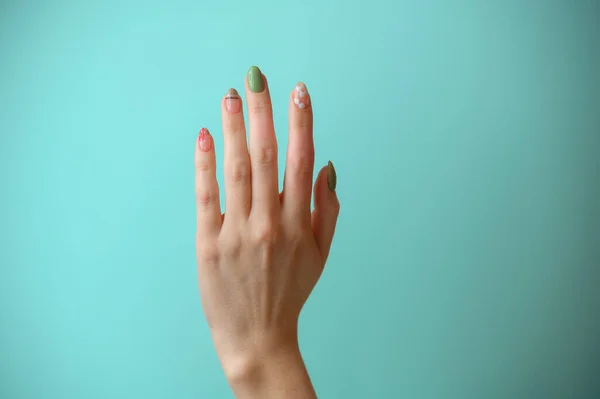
[301,96]
[233,102]
[204,140]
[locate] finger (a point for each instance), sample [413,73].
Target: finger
[237,161]
[208,210]
[327,208]
[263,145]
[299,165]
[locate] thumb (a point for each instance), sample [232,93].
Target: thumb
[327,208]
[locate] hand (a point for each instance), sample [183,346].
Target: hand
[258,263]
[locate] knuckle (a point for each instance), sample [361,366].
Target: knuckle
[335,206]
[208,254]
[232,246]
[205,197]
[303,166]
[203,166]
[211,256]
[261,106]
[266,156]
[266,234]
[234,127]
[304,121]
[240,172]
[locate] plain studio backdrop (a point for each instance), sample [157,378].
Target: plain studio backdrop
[466,136]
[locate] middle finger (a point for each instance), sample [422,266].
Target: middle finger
[263,146]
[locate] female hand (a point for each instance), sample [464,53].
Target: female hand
[258,263]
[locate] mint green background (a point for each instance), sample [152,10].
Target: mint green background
[466,139]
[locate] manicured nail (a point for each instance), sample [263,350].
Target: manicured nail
[255,80]
[301,96]
[204,140]
[331,176]
[233,102]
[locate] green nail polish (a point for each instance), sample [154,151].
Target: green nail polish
[255,79]
[331,176]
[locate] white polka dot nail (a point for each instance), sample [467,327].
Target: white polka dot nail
[301,97]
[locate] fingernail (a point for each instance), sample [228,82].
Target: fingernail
[204,140]
[331,176]
[255,80]
[301,96]
[233,102]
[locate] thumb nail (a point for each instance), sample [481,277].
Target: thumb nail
[331,176]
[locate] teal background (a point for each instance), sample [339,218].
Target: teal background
[466,139]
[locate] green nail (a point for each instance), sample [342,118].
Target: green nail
[331,176]
[255,79]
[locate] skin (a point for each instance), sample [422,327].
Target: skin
[259,262]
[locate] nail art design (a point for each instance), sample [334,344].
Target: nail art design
[233,102]
[301,97]
[331,176]
[204,140]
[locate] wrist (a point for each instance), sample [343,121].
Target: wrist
[248,361]
[268,367]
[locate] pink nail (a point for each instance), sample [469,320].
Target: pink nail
[301,96]
[204,140]
[233,102]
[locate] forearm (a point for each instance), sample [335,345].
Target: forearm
[274,374]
